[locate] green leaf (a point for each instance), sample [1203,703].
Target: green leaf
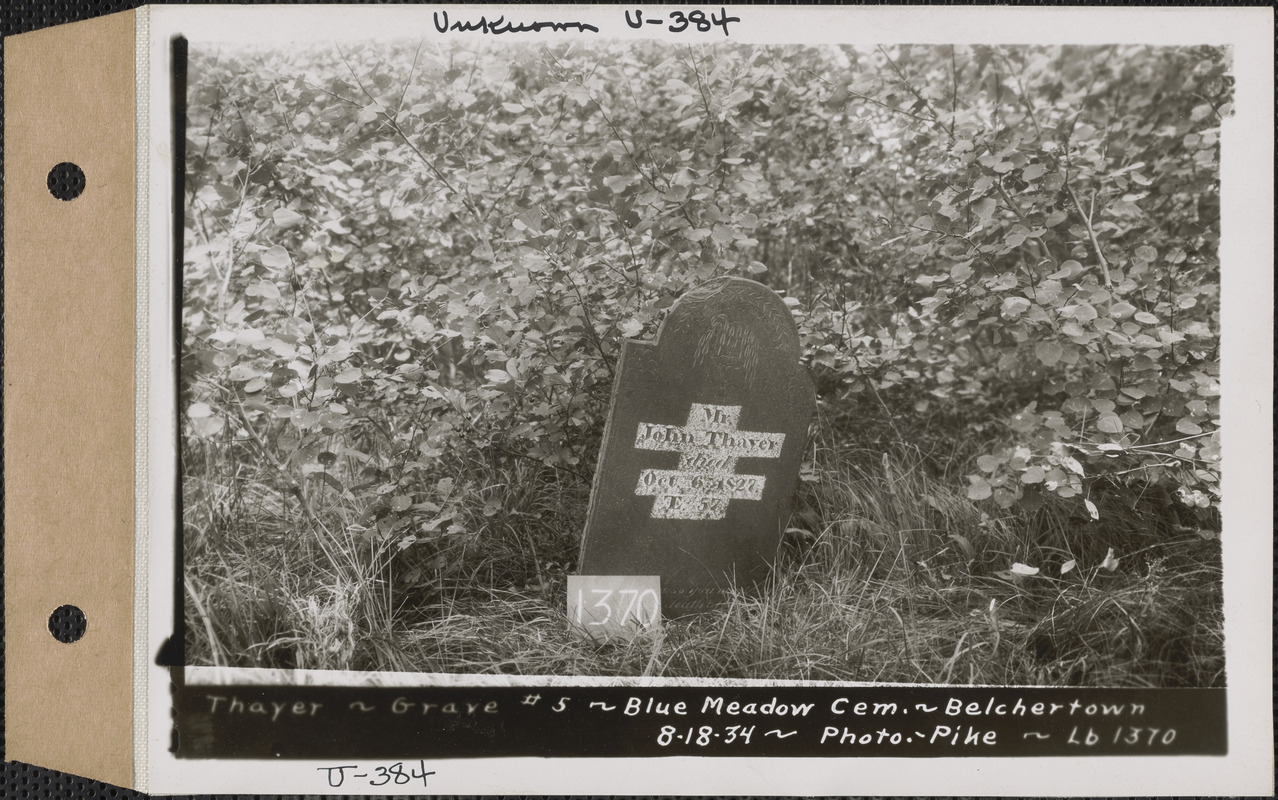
[268,290]
[1048,352]
[242,372]
[1047,291]
[330,480]
[1014,307]
[348,376]
[1109,423]
[1069,269]
[1122,310]
[206,427]
[984,208]
[969,552]
[286,218]
[979,488]
[631,328]
[1188,427]
[370,112]
[1082,312]
[275,257]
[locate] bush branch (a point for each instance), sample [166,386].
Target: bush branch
[1087,221]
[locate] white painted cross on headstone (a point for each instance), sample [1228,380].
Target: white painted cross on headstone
[705,481]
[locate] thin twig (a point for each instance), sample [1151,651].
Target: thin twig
[1020,87]
[1087,221]
[954,93]
[409,80]
[391,121]
[936,119]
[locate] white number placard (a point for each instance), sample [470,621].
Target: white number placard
[609,606]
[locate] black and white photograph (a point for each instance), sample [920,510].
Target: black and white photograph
[647,400]
[410,269]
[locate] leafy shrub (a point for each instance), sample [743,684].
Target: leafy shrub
[408,271]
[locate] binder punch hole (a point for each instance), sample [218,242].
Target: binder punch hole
[67,624]
[66,181]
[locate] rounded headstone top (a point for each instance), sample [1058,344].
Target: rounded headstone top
[730,302]
[732,332]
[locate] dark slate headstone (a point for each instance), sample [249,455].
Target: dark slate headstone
[702,447]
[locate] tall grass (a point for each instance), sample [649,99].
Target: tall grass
[887,573]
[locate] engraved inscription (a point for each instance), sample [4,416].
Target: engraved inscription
[705,480]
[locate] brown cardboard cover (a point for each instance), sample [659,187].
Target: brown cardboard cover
[68,397]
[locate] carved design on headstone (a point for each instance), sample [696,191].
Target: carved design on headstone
[705,480]
[727,345]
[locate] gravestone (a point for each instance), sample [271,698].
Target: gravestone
[702,447]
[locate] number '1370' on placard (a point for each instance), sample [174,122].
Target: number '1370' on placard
[607,606]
